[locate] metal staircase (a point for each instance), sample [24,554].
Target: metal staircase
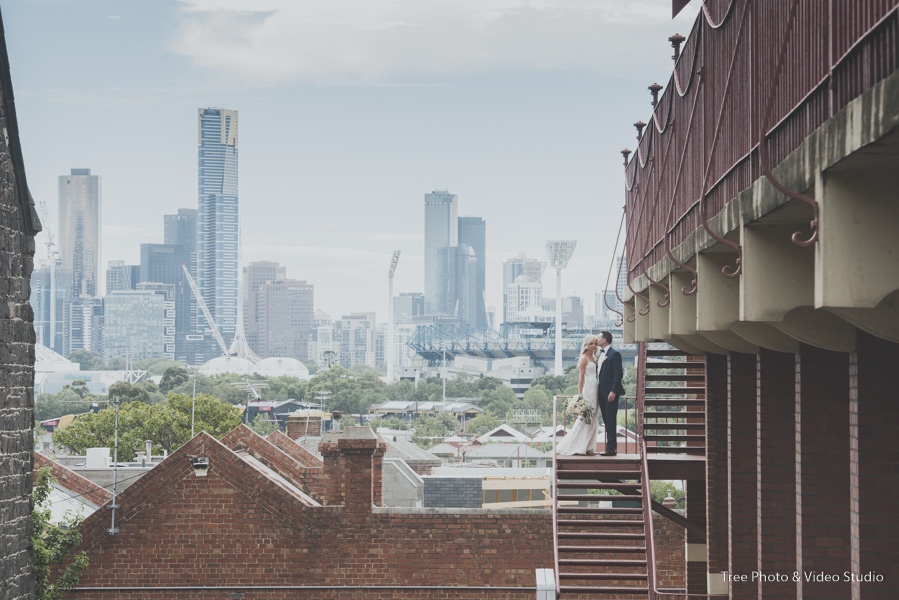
[603,510]
[601,536]
[673,401]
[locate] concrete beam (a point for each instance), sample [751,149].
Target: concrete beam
[718,303]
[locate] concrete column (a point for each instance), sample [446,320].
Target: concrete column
[718,303]
[874,467]
[776,405]
[822,478]
[742,479]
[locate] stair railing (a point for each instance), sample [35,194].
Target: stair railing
[554,490]
[654,593]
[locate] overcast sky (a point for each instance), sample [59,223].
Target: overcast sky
[350,111]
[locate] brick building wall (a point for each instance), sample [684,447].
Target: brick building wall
[18,225]
[234,527]
[73,481]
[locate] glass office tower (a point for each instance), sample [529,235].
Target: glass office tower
[217,218]
[441,231]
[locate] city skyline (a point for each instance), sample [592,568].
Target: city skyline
[525,130]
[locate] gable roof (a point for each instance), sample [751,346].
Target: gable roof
[503,433]
[175,475]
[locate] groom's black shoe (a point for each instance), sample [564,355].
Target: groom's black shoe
[608,453]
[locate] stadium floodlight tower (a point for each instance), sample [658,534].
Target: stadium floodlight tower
[391,338]
[559,252]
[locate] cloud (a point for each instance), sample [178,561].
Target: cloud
[376,42]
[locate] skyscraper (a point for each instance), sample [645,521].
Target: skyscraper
[513,268]
[441,231]
[79,231]
[181,228]
[255,275]
[285,312]
[217,219]
[473,233]
[161,263]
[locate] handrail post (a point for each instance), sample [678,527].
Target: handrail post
[647,520]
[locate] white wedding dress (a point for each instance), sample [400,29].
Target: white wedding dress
[582,437]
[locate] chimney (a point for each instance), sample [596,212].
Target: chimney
[669,501]
[353,463]
[303,425]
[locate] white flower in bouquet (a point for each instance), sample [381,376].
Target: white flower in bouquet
[581,408]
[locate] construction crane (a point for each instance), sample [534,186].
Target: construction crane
[52,257]
[206,313]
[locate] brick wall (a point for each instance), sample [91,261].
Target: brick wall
[822,444]
[741,476]
[18,224]
[716,463]
[73,481]
[234,528]
[287,445]
[776,406]
[874,466]
[669,558]
[301,425]
[453,492]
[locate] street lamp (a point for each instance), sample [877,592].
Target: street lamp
[391,341]
[559,252]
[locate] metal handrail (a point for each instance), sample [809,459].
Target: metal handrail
[654,592]
[555,497]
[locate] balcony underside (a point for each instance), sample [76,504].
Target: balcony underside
[787,294]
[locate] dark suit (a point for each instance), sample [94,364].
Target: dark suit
[610,374]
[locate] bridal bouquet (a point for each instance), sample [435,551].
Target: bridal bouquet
[580,407]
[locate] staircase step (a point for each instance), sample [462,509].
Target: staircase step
[665,352]
[599,497]
[674,365]
[676,449]
[601,549]
[673,402]
[674,414]
[671,377]
[577,589]
[674,426]
[671,390]
[605,576]
[601,476]
[593,484]
[601,522]
[599,510]
[674,438]
[571,535]
[601,562]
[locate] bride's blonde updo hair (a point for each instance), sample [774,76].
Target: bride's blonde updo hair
[590,337]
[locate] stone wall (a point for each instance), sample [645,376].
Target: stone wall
[18,224]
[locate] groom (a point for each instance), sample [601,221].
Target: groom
[610,390]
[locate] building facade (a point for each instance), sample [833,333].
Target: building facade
[441,231]
[473,233]
[135,325]
[218,218]
[513,268]
[79,231]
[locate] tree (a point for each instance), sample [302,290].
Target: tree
[166,424]
[430,430]
[389,423]
[88,360]
[172,378]
[286,388]
[482,423]
[145,392]
[264,425]
[53,542]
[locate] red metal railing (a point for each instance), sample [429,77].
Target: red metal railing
[752,75]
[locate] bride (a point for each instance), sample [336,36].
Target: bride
[581,439]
